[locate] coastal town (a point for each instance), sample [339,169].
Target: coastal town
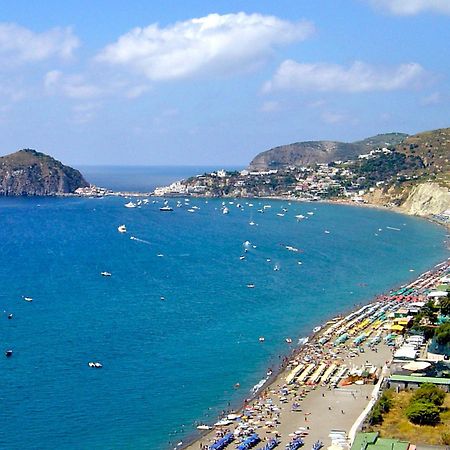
[336,390]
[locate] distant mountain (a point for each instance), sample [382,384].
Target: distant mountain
[312,152]
[28,172]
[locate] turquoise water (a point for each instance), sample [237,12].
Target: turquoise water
[169,363]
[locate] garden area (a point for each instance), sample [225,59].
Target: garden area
[421,416]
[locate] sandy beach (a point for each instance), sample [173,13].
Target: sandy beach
[329,381]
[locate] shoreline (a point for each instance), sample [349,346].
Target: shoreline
[279,374]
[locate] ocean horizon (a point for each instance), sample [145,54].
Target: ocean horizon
[143,178]
[175,326]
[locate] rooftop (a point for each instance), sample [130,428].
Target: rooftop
[371,441]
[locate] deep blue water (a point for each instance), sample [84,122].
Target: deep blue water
[166,363]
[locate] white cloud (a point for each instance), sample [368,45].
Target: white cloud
[21,45]
[214,44]
[359,77]
[84,112]
[72,86]
[412,7]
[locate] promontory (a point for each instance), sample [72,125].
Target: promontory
[28,172]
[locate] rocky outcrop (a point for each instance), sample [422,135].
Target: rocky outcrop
[426,199]
[28,172]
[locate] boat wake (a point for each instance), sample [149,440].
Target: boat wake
[133,238]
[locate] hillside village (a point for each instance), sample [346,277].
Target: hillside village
[384,175]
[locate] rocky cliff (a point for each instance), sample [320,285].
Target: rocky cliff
[426,199]
[28,172]
[422,199]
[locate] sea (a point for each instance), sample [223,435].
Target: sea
[175,326]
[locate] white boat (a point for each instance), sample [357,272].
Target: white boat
[317,329]
[28,299]
[291,249]
[252,223]
[130,205]
[105,274]
[241,257]
[326,232]
[225,210]
[204,427]
[280,214]
[299,216]
[261,339]
[95,365]
[276,268]
[191,210]
[166,208]
[310,213]
[122,229]
[288,340]
[250,285]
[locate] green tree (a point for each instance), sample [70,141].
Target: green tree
[443,334]
[444,306]
[429,393]
[423,413]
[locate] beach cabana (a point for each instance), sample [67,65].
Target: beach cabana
[291,376]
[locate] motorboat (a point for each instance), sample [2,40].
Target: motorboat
[204,427]
[241,257]
[276,268]
[261,339]
[95,365]
[130,205]
[250,285]
[28,299]
[105,274]
[8,353]
[166,208]
[122,229]
[10,316]
[191,210]
[288,340]
[225,210]
[252,223]
[280,214]
[317,329]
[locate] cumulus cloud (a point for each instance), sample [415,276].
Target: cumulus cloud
[214,44]
[359,77]
[21,45]
[412,7]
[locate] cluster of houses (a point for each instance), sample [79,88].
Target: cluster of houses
[309,183]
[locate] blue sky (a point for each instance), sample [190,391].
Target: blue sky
[197,82]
